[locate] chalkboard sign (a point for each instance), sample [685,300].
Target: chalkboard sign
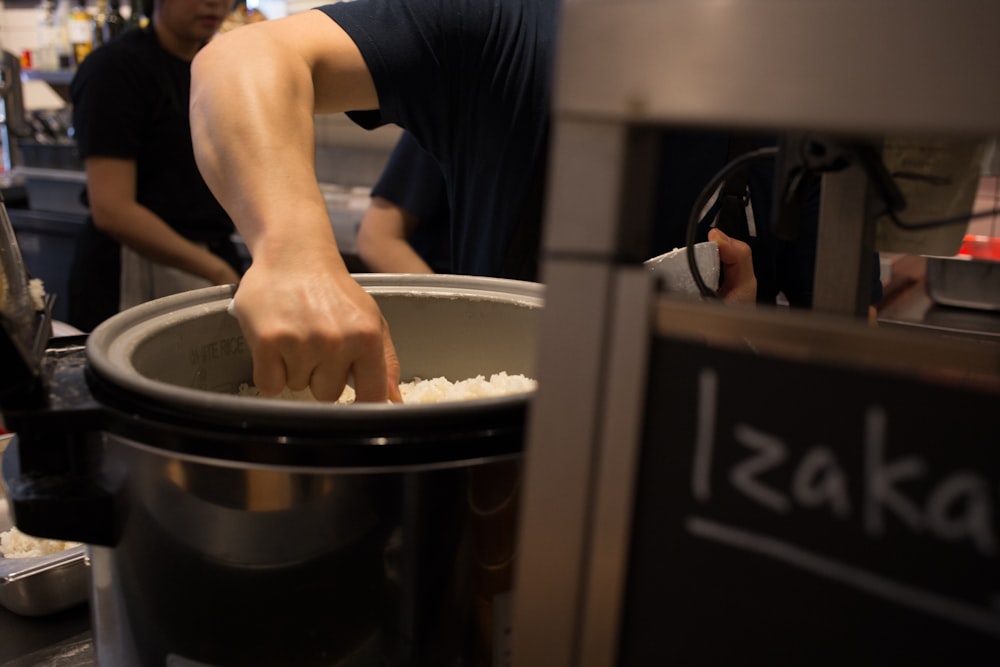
[793,513]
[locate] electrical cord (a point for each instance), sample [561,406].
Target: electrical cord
[884,190]
[695,219]
[940,222]
[893,199]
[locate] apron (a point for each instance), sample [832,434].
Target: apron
[143,280]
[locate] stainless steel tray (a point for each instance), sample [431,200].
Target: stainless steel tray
[970,279]
[43,585]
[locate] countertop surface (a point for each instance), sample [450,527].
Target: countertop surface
[979,325]
[912,307]
[63,639]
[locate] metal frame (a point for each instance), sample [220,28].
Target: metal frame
[855,67]
[11,109]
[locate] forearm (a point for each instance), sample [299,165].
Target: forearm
[392,256]
[307,322]
[144,232]
[382,239]
[253,134]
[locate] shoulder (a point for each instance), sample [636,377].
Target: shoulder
[132,49]
[381,20]
[438,48]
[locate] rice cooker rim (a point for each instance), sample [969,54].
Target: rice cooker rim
[216,425]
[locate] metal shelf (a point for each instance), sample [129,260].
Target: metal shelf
[848,67]
[61,77]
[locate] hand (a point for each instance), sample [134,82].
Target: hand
[309,324]
[739,284]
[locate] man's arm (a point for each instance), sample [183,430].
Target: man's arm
[382,239]
[408,199]
[254,93]
[111,185]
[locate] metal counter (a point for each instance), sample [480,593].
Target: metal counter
[913,308]
[64,639]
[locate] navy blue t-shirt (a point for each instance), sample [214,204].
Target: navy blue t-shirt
[475,91]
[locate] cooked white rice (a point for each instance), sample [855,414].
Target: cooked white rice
[435,390]
[36,289]
[15,544]
[36,292]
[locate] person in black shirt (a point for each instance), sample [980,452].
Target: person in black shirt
[154,227]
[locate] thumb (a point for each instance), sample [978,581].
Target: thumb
[739,284]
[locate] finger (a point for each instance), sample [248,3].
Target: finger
[268,370]
[327,381]
[739,284]
[280,362]
[392,370]
[299,368]
[731,251]
[394,394]
[369,368]
[268,366]
[370,384]
[328,365]
[308,356]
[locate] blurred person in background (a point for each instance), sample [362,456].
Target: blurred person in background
[406,228]
[242,14]
[154,227]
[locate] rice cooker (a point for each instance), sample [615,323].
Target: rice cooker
[230,530]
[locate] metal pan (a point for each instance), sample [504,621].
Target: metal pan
[43,585]
[969,279]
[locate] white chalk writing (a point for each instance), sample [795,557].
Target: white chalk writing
[958,507]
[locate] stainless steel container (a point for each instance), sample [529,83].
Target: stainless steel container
[969,279]
[245,531]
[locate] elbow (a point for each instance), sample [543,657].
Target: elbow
[111,215]
[217,65]
[367,246]
[105,220]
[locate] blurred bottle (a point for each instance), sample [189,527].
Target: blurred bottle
[244,12]
[46,57]
[135,17]
[64,52]
[114,22]
[81,32]
[100,17]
